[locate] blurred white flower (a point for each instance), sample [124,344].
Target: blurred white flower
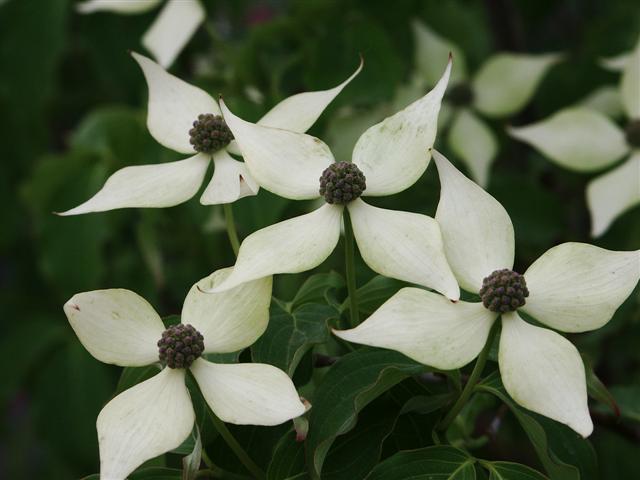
[119,327]
[573,287]
[388,158]
[186,119]
[170,32]
[501,87]
[584,139]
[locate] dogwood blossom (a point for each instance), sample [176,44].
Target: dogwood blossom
[585,140]
[170,32]
[119,327]
[388,158]
[573,287]
[179,116]
[501,87]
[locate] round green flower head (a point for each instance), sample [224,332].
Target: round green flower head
[180,346]
[504,291]
[460,95]
[342,182]
[632,132]
[210,133]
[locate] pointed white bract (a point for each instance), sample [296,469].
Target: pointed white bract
[612,194]
[394,153]
[117,6]
[231,181]
[116,326]
[575,287]
[172,29]
[145,421]
[543,372]
[476,230]
[506,82]
[402,245]
[148,186]
[248,393]
[605,100]
[427,328]
[432,52]
[473,141]
[231,320]
[576,138]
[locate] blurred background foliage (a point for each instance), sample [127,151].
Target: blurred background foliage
[73,106]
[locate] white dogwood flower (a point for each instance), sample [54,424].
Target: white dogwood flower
[584,139]
[170,32]
[186,119]
[501,87]
[573,287]
[388,158]
[119,327]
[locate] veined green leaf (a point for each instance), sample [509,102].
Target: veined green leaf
[431,463]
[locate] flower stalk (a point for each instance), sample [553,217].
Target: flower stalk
[350,268]
[232,233]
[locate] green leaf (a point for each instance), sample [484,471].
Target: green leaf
[191,463]
[131,376]
[511,471]
[374,293]
[288,459]
[627,398]
[431,463]
[556,468]
[598,391]
[290,335]
[349,385]
[315,288]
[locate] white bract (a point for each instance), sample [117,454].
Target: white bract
[174,105]
[119,327]
[573,287]
[582,138]
[170,32]
[392,155]
[500,88]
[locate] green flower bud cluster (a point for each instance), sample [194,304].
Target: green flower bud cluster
[180,346]
[210,133]
[504,291]
[342,182]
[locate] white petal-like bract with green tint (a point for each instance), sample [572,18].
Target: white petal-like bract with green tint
[476,230]
[402,245]
[575,287]
[630,85]
[117,6]
[173,106]
[427,328]
[248,393]
[148,186]
[432,53]
[145,421]
[613,193]
[116,326]
[394,153]
[473,141]
[292,246]
[172,29]
[229,320]
[506,82]
[286,163]
[615,63]
[605,100]
[543,372]
[347,125]
[231,181]
[576,138]
[298,112]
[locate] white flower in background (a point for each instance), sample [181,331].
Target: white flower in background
[170,32]
[388,158]
[584,139]
[573,287]
[501,87]
[119,327]
[186,119]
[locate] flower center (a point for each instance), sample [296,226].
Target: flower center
[180,345]
[342,182]
[460,95]
[209,133]
[504,291]
[632,133]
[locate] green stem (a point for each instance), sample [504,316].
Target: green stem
[473,380]
[237,449]
[231,228]
[350,267]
